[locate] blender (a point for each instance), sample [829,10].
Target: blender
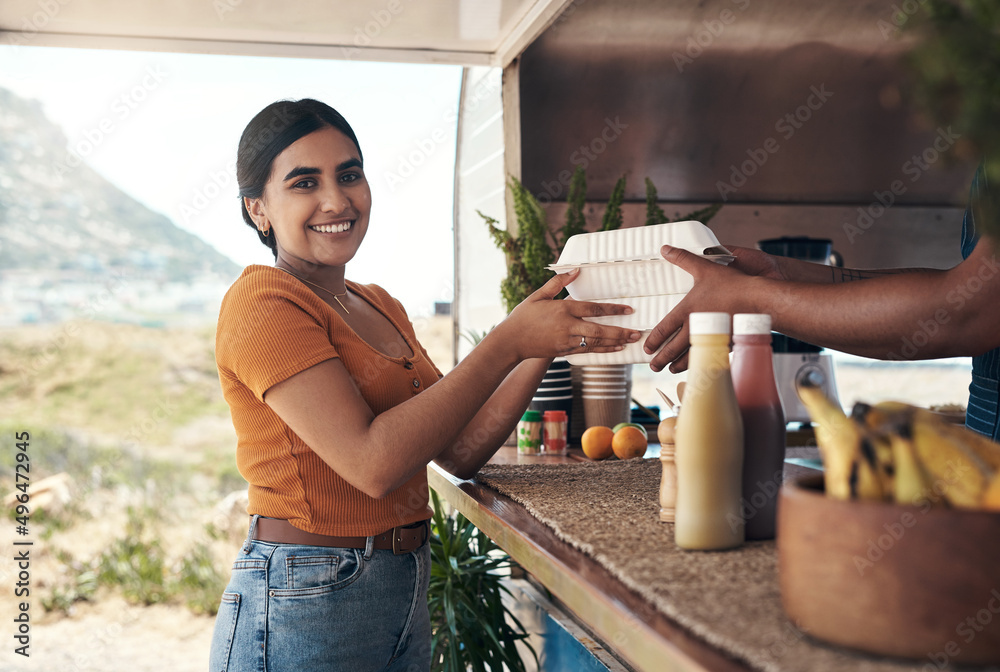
[794,359]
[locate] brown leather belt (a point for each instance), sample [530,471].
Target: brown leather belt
[399,540]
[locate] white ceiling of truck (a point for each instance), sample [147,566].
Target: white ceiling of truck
[463,32]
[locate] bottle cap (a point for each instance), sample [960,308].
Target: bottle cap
[555,416]
[751,323]
[708,323]
[531,416]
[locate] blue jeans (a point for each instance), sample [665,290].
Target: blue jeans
[291,608]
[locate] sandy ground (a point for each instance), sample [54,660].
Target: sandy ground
[107,633]
[112,636]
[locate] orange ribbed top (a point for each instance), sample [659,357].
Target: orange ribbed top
[272,326]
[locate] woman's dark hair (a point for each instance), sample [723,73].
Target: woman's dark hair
[268,134]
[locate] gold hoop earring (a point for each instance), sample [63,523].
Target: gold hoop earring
[266,232]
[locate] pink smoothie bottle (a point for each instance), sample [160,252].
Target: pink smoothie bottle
[763,422]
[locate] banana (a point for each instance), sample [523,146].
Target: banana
[991,497]
[957,471]
[867,484]
[911,483]
[838,438]
[893,451]
[885,416]
[988,451]
[885,470]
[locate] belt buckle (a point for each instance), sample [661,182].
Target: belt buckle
[396,540]
[397,537]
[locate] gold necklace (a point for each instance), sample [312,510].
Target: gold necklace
[335,296]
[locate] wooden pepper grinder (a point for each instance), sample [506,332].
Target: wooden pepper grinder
[668,481]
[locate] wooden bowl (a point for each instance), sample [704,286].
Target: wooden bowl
[891,579]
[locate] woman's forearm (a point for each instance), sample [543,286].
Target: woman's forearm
[437,417]
[495,421]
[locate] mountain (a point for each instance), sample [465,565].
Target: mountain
[61,218]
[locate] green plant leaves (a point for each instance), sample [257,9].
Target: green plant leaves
[613,216]
[576,221]
[957,82]
[654,213]
[471,627]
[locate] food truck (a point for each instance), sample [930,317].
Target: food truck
[793,116]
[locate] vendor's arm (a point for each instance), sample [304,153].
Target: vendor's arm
[755,262]
[377,454]
[906,315]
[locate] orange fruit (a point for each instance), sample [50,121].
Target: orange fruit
[629,442]
[596,442]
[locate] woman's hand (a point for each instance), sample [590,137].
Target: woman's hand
[542,327]
[716,288]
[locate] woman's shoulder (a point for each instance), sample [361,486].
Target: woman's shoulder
[377,295]
[258,285]
[257,278]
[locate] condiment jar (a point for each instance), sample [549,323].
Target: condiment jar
[529,433]
[554,432]
[763,423]
[709,441]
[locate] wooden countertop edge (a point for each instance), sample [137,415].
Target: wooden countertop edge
[626,621]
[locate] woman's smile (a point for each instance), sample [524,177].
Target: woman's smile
[333,227]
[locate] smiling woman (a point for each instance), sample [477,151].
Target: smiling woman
[338,410]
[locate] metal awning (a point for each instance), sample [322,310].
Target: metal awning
[458,32]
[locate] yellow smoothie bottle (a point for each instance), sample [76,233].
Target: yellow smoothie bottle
[709,443]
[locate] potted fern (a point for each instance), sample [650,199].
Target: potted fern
[471,627]
[535,247]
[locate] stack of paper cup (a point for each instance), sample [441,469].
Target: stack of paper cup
[578,423]
[555,392]
[607,394]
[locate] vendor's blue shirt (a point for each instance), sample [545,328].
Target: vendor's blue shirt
[984,391]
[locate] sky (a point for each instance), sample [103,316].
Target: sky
[164,128]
